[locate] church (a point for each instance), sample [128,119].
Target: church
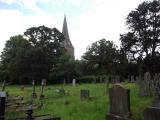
[67,42]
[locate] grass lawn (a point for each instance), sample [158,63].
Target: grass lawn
[76,109]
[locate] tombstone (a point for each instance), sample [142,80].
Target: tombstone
[61,91]
[132,78]
[147,76]
[119,103]
[34,95]
[64,81]
[84,94]
[3,85]
[74,82]
[2,105]
[22,88]
[42,88]
[152,113]
[107,85]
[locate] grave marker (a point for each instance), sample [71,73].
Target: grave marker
[84,94]
[152,113]
[119,103]
[34,95]
[3,85]
[74,82]
[42,88]
[2,105]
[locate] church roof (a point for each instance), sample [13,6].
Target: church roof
[66,33]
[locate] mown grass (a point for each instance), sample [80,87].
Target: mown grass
[75,109]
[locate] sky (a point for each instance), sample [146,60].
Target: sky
[88,20]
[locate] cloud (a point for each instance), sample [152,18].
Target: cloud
[98,19]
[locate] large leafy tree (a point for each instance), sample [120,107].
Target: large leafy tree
[101,57]
[14,59]
[142,42]
[46,50]
[31,56]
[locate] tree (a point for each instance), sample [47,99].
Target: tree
[14,59]
[66,68]
[101,57]
[143,39]
[46,50]
[31,56]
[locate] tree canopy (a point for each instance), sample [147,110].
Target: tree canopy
[143,39]
[32,55]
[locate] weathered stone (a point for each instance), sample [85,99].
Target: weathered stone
[84,94]
[34,95]
[3,85]
[2,105]
[132,79]
[119,103]
[74,82]
[147,76]
[152,113]
[43,83]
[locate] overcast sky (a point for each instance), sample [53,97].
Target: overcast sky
[88,20]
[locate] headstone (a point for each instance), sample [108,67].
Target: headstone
[74,82]
[119,103]
[64,81]
[2,105]
[42,88]
[84,94]
[61,91]
[152,113]
[147,76]
[3,85]
[132,78]
[34,95]
[22,88]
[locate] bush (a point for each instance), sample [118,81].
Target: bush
[87,79]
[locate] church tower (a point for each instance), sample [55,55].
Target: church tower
[67,42]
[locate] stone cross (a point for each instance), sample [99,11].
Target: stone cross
[74,82]
[119,103]
[2,105]
[3,85]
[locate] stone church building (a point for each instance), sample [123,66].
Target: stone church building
[67,42]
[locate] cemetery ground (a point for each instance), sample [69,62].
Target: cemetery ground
[71,107]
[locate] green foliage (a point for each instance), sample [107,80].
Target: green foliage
[142,41]
[87,79]
[66,68]
[31,56]
[100,57]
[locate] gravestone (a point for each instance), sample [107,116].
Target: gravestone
[2,105]
[42,88]
[84,94]
[74,82]
[132,78]
[3,85]
[147,76]
[152,113]
[34,95]
[119,103]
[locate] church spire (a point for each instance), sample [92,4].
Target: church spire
[65,29]
[67,43]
